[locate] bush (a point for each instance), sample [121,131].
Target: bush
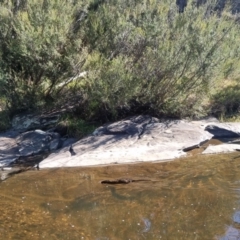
[4,120]
[150,53]
[134,53]
[40,46]
[226,103]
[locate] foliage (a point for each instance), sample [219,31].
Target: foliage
[136,53]
[226,102]
[75,127]
[4,120]
[159,57]
[39,48]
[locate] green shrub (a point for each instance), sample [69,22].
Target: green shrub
[5,122]
[40,47]
[150,53]
[144,52]
[226,102]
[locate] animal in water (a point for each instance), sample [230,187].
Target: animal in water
[125,181]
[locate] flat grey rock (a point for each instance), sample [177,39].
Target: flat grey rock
[222,148]
[137,139]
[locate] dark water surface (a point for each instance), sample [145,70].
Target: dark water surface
[192,198]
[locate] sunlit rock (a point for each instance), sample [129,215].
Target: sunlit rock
[222,148]
[136,139]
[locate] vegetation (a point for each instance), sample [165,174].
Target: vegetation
[138,57]
[4,120]
[72,126]
[40,47]
[226,103]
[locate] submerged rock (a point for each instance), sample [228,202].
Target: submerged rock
[236,217]
[147,225]
[12,171]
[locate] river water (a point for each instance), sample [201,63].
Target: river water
[191,198]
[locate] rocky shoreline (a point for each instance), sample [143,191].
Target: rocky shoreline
[135,139]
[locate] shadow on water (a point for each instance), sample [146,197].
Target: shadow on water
[191,198]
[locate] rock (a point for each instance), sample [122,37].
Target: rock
[8,149]
[231,234]
[13,147]
[23,123]
[222,148]
[66,142]
[136,139]
[224,130]
[11,171]
[133,126]
[6,160]
[234,141]
[236,217]
[10,134]
[36,142]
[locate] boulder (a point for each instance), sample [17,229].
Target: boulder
[224,130]
[136,139]
[13,147]
[8,149]
[36,142]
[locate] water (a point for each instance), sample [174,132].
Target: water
[192,198]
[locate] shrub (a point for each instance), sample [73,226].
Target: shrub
[150,53]
[4,120]
[40,46]
[134,53]
[226,102]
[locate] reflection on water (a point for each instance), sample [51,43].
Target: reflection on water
[191,198]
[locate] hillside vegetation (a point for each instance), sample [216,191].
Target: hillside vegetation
[119,57]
